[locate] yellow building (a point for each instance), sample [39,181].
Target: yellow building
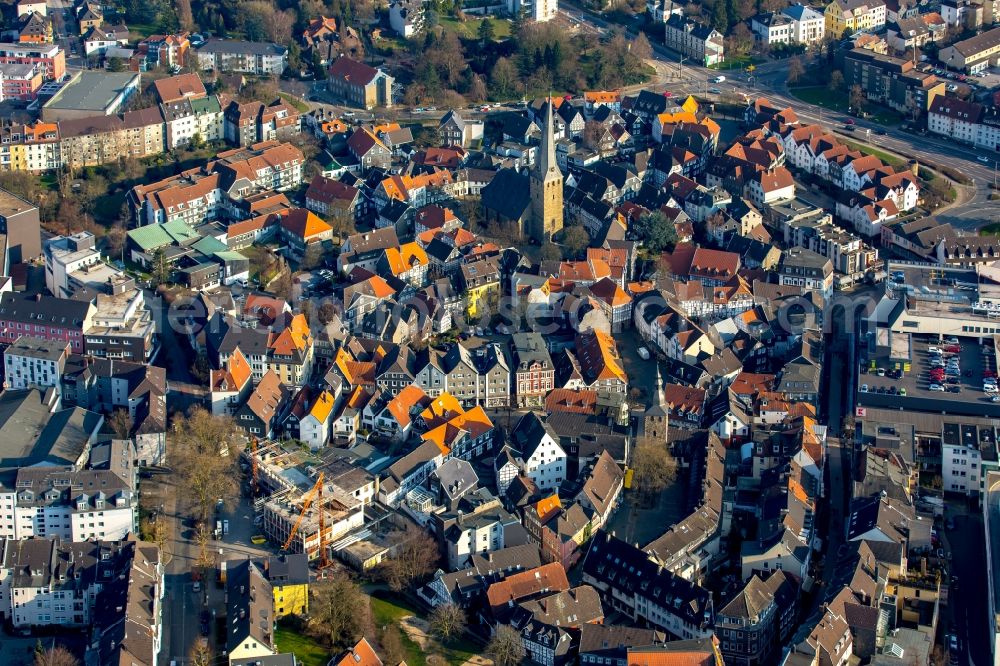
[481,283]
[290,354]
[853,16]
[288,575]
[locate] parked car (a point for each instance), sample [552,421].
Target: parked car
[864,388]
[643,353]
[935,387]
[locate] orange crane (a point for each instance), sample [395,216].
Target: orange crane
[253,463]
[315,493]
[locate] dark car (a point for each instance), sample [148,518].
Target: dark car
[204,622]
[880,131]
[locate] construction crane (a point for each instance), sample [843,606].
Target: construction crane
[315,493]
[253,464]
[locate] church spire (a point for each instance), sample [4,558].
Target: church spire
[547,152]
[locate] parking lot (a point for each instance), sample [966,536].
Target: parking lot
[962,381]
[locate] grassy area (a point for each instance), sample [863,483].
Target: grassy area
[469,28]
[822,96]
[891,160]
[141,30]
[990,229]
[297,103]
[388,613]
[306,650]
[837,101]
[737,62]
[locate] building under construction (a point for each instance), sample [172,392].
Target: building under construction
[290,495]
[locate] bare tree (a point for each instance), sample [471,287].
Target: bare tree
[505,648]
[652,466]
[204,451]
[56,655]
[201,654]
[795,70]
[185,17]
[121,423]
[447,621]
[416,557]
[339,611]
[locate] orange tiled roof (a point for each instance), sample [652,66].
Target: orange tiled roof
[322,408]
[405,257]
[401,406]
[547,506]
[293,338]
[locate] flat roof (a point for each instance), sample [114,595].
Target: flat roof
[11,204]
[969,401]
[92,91]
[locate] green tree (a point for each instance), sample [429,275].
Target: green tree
[487,33]
[720,18]
[549,252]
[160,267]
[656,231]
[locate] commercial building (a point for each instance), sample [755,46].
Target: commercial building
[226,55]
[360,84]
[974,54]
[91,93]
[894,82]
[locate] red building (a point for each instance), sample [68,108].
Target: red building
[46,317]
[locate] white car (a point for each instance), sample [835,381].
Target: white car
[643,353]
[933,350]
[935,387]
[995,398]
[864,388]
[989,389]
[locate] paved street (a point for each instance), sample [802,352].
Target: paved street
[968,600]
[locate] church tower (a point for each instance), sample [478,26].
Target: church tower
[657,417]
[546,186]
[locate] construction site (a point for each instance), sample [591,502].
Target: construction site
[306,502]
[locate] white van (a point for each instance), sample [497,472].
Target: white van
[719,79]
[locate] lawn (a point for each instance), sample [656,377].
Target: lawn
[469,28]
[822,96]
[387,613]
[891,160]
[297,103]
[306,650]
[836,101]
[735,62]
[990,229]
